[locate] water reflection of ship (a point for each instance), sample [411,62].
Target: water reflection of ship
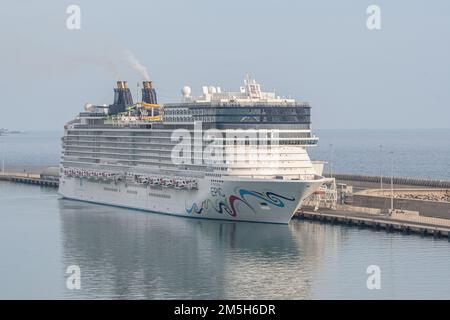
[131,254]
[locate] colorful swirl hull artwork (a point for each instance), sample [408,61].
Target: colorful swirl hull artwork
[228,204]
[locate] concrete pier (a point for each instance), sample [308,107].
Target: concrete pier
[437,227]
[29,178]
[431,202]
[420,205]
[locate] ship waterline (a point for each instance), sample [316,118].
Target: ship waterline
[147,156]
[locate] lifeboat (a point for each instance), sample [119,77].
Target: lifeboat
[131,177]
[192,185]
[181,184]
[155,181]
[141,179]
[168,183]
[118,177]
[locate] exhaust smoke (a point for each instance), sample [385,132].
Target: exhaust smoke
[137,66]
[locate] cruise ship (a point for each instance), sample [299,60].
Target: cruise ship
[239,156]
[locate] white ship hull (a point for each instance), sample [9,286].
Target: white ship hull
[256,200]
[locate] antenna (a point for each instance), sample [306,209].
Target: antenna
[247,78]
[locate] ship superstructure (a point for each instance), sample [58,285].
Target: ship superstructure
[223,155]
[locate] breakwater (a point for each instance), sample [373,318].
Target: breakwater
[407,181]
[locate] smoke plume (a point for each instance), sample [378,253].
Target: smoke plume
[137,66]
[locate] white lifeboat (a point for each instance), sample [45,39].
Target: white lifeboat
[156,181]
[168,183]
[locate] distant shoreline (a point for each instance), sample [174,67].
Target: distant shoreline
[5,132]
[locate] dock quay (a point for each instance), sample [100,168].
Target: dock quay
[424,226]
[47,178]
[408,205]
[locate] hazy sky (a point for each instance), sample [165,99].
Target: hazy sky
[319,51]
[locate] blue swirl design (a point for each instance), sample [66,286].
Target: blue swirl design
[270,197]
[229,207]
[195,208]
[221,207]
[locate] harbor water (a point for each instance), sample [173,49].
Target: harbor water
[125,253]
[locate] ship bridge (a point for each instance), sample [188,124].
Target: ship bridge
[249,93]
[249,108]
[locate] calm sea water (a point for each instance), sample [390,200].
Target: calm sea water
[132,254]
[417,153]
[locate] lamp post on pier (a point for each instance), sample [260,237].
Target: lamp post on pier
[381,166]
[331,160]
[392,180]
